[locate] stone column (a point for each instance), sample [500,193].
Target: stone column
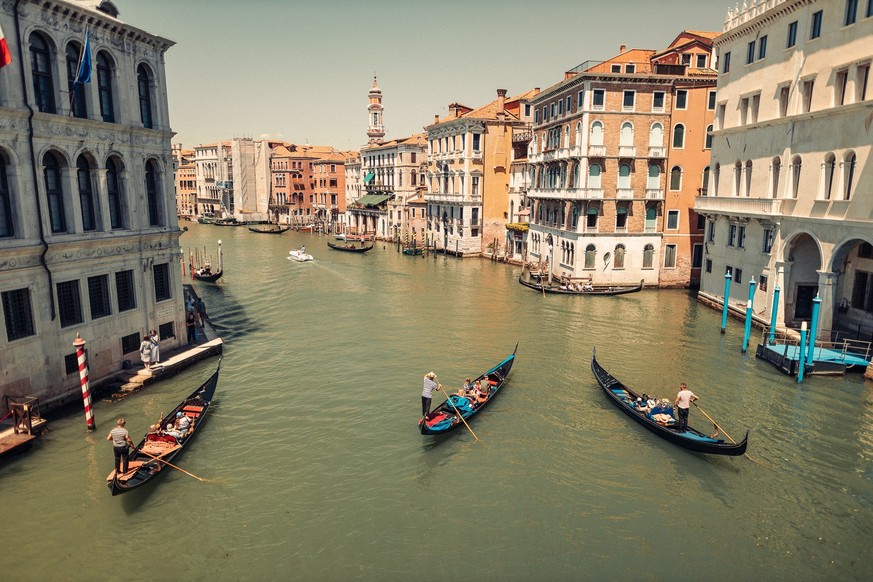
[826,288]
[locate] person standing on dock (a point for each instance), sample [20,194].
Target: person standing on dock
[201,311]
[120,442]
[156,346]
[430,384]
[683,403]
[145,351]
[191,326]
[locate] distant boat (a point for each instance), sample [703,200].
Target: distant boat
[229,221]
[304,227]
[412,251]
[299,255]
[207,275]
[275,229]
[340,236]
[351,248]
[590,290]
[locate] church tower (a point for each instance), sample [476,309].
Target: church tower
[375,129]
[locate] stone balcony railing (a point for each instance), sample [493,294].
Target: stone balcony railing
[737,16]
[738,206]
[624,193]
[597,151]
[654,194]
[657,152]
[625,151]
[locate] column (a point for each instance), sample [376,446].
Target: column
[826,291]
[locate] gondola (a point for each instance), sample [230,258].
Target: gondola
[209,278]
[445,417]
[144,461]
[692,439]
[274,230]
[412,251]
[351,248]
[598,290]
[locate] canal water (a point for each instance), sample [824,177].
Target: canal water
[316,469]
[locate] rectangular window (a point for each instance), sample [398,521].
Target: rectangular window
[710,101]
[628,99]
[815,27]
[130,343]
[18,314]
[732,235]
[753,108]
[580,100]
[69,303]
[840,87]
[762,283]
[545,113]
[696,256]
[869,11]
[71,364]
[599,99]
[569,103]
[686,59]
[560,108]
[784,92]
[741,237]
[669,256]
[738,276]
[851,12]
[767,245]
[615,68]
[701,61]
[537,116]
[162,282]
[709,265]
[98,296]
[630,68]
[477,138]
[750,52]
[526,114]
[672,219]
[167,330]
[658,101]
[744,110]
[807,95]
[726,63]
[861,78]
[762,47]
[710,231]
[728,270]
[792,35]
[681,99]
[552,110]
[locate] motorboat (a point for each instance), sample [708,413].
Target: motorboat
[299,255]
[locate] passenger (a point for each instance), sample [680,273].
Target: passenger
[466,385]
[183,423]
[641,405]
[170,430]
[588,286]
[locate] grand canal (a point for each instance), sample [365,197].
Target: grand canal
[317,471]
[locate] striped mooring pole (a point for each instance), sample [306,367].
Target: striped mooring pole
[79,344]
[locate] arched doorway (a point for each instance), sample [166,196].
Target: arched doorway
[852,266]
[805,262]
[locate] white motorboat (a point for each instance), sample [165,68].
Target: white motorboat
[299,255]
[340,236]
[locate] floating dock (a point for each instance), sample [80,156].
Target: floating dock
[825,361]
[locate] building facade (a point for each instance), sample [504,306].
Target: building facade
[790,200]
[185,178]
[89,240]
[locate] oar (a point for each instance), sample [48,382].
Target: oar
[461,416]
[174,466]
[714,423]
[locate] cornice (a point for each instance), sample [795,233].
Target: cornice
[762,20]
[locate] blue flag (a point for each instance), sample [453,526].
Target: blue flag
[83,74]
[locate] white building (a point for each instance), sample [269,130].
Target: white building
[89,241]
[790,202]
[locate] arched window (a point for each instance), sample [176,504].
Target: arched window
[675,179]
[648,256]
[41,71]
[591,218]
[572,260]
[579,133]
[651,219]
[707,142]
[594,171]
[54,193]
[105,74]
[654,180]
[574,213]
[77,90]
[7,226]
[738,178]
[113,189]
[796,165]
[566,136]
[590,256]
[656,135]
[153,193]
[626,138]
[848,175]
[679,136]
[624,176]
[144,84]
[828,175]
[618,261]
[775,173]
[704,184]
[86,193]
[596,133]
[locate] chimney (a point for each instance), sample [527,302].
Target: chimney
[501,101]
[622,48]
[436,118]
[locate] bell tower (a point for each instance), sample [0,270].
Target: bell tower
[375,129]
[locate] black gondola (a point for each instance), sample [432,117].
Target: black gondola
[350,247]
[692,439]
[209,278]
[598,290]
[413,251]
[144,461]
[273,230]
[445,417]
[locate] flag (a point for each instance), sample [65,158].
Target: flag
[5,55]
[83,73]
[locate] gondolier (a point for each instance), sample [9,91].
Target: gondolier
[682,403]
[430,384]
[120,442]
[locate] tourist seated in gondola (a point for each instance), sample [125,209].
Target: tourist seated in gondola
[662,413]
[183,423]
[170,430]
[588,286]
[641,405]
[467,385]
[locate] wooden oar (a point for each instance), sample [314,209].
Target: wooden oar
[461,416]
[715,424]
[160,460]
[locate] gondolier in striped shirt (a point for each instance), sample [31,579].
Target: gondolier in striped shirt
[430,384]
[120,441]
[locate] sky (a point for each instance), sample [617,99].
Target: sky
[300,70]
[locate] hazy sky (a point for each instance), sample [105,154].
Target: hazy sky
[300,70]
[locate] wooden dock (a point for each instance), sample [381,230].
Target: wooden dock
[825,361]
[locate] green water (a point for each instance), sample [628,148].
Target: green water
[317,471]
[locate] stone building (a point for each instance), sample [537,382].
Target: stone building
[89,241]
[185,178]
[616,161]
[790,200]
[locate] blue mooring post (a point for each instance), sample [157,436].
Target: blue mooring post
[727,294]
[747,330]
[816,307]
[774,309]
[801,361]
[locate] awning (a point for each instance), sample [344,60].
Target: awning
[525,212]
[369,177]
[372,199]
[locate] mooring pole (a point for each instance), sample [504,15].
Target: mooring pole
[774,310]
[747,330]
[79,344]
[219,255]
[801,360]
[727,294]
[813,327]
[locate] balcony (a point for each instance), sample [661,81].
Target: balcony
[624,193]
[654,194]
[592,193]
[597,151]
[562,154]
[657,152]
[627,151]
[763,207]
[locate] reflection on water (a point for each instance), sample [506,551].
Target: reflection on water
[318,472]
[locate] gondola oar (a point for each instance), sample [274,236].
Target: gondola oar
[461,416]
[715,424]
[175,467]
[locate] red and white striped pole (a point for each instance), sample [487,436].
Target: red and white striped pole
[79,344]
